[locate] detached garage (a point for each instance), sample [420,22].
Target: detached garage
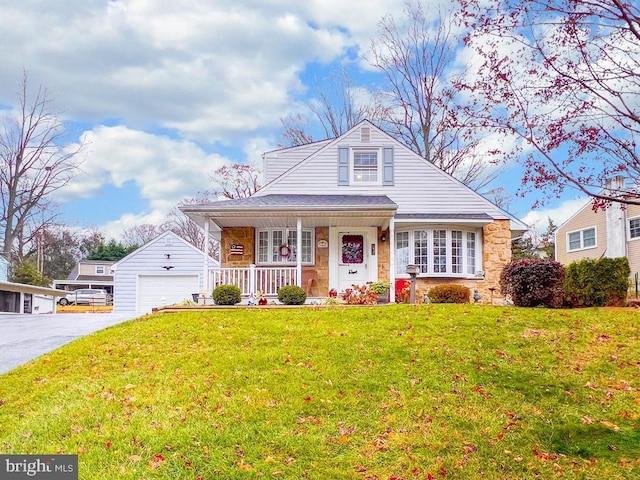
[165,271]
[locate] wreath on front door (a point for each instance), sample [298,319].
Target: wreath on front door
[284,250]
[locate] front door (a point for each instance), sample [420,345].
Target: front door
[353,259]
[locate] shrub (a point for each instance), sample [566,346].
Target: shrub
[596,283]
[292,295]
[360,295]
[533,282]
[379,288]
[449,293]
[227,295]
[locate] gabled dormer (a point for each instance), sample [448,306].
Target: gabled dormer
[365,162]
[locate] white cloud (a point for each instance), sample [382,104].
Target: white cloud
[539,219]
[165,170]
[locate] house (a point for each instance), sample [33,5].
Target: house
[612,232]
[355,209]
[88,274]
[164,271]
[21,298]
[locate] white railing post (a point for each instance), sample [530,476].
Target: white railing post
[252,279]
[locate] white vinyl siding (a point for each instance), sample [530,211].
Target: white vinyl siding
[581,239]
[409,180]
[438,252]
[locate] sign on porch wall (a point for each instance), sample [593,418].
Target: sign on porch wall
[323,244]
[237,249]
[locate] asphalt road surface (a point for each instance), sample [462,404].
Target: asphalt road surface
[25,337]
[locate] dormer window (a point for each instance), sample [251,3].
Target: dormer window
[99,269]
[365,166]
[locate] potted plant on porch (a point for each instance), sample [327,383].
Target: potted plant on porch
[381,289]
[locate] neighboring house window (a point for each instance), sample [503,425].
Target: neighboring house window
[581,239]
[273,247]
[99,269]
[439,252]
[634,228]
[365,166]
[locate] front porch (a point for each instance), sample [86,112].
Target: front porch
[253,280]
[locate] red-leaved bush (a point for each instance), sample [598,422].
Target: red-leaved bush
[533,282]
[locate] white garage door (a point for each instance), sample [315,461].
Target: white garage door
[160,290]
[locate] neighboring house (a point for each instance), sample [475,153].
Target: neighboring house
[88,274]
[164,271]
[612,232]
[21,298]
[358,208]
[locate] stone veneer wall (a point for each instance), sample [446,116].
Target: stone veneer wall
[244,236]
[496,253]
[322,261]
[383,257]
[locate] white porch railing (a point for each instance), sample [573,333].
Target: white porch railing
[254,279]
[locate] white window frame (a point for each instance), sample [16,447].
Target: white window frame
[280,232]
[352,165]
[464,256]
[629,237]
[100,269]
[581,233]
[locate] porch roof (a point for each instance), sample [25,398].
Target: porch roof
[278,209]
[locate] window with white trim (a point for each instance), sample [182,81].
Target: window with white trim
[634,228]
[438,252]
[581,239]
[99,269]
[275,246]
[365,166]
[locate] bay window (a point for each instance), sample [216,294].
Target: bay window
[280,245]
[438,252]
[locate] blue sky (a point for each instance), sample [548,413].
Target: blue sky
[163,93]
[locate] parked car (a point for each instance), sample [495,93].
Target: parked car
[85,296]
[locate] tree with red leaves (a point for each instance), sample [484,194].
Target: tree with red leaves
[563,79]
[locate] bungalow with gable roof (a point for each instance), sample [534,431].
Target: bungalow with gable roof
[358,208]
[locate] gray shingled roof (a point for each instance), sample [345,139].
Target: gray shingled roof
[303,201]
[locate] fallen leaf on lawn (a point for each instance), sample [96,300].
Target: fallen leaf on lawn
[586,419]
[610,424]
[244,466]
[157,461]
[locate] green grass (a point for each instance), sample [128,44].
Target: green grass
[433,391]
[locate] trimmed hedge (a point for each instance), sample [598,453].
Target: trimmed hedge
[449,293]
[227,295]
[596,283]
[292,295]
[533,282]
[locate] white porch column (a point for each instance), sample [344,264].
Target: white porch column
[205,268]
[299,252]
[392,261]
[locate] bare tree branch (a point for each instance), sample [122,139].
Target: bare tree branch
[33,164]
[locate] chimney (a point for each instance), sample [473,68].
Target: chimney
[616,221]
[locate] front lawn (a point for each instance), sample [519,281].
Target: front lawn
[430,391]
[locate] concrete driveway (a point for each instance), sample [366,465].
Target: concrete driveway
[25,337]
